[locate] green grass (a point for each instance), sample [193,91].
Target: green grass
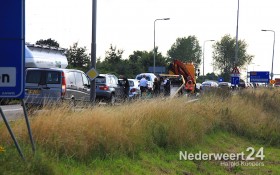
[158,161]
[145,137]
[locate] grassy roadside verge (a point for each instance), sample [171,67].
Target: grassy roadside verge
[159,161]
[146,137]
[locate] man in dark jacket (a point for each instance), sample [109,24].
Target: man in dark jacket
[126,87]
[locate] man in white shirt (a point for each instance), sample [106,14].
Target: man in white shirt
[143,84]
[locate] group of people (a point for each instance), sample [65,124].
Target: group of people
[160,85]
[156,90]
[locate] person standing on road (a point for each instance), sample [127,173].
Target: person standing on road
[126,87]
[156,87]
[143,84]
[166,85]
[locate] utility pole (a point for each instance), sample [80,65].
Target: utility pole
[236,46]
[93,49]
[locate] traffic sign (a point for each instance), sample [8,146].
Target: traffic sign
[92,74]
[235,81]
[235,70]
[221,79]
[259,77]
[12,43]
[272,81]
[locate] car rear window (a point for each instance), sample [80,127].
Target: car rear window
[53,77]
[43,77]
[131,83]
[100,80]
[33,76]
[140,77]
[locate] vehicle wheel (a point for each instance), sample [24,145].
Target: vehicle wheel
[113,99]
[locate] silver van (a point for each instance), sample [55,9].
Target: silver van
[51,85]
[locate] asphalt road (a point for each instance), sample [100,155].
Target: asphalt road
[12,112]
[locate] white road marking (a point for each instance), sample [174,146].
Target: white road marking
[10,110]
[193,100]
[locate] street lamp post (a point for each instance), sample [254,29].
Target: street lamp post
[271,74]
[203,56]
[236,46]
[155,41]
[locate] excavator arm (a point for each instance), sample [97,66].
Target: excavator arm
[179,68]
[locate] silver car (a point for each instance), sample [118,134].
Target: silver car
[207,85]
[134,90]
[225,85]
[107,88]
[53,85]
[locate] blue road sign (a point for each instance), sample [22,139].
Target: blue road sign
[12,43]
[259,77]
[221,79]
[235,81]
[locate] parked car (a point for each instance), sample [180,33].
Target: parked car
[224,85]
[208,85]
[107,88]
[198,87]
[51,85]
[134,90]
[242,84]
[149,76]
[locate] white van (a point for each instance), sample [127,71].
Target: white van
[149,76]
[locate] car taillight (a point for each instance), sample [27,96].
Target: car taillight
[63,85]
[104,88]
[132,90]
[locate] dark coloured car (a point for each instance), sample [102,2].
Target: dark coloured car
[107,88]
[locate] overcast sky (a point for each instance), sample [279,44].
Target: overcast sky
[129,25]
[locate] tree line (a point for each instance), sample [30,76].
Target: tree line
[186,49]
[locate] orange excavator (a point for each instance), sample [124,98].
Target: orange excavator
[188,72]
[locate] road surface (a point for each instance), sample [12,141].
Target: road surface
[12,112]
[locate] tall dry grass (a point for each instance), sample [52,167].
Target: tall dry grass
[147,125]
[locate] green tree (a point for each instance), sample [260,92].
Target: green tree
[48,42]
[113,56]
[186,50]
[208,76]
[224,55]
[138,62]
[142,60]
[77,57]
[113,62]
